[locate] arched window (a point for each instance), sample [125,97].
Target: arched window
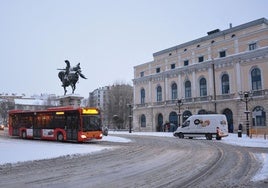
[256,79]
[160,123]
[203,87]
[158,94]
[174,91]
[173,121]
[186,114]
[188,93]
[259,116]
[142,96]
[202,111]
[229,115]
[225,84]
[143,120]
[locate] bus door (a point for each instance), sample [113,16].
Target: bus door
[72,125]
[37,127]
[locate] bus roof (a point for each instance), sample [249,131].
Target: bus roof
[52,109]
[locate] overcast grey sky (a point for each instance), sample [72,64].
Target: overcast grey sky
[108,37]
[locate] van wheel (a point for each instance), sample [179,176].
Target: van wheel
[60,137]
[181,135]
[23,135]
[209,136]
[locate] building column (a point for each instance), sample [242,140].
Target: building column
[238,76]
[180,85]
[210,81]
[194,94]
[166,96]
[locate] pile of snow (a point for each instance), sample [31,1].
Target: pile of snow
[35,150]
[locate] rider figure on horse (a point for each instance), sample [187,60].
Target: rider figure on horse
[70,75]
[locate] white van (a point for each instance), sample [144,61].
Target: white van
[207,125]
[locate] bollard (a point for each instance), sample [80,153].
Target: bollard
[239,133]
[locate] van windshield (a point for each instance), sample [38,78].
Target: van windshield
[186,124]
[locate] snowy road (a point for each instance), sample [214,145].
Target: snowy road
[145,162]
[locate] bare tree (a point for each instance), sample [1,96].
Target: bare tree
[120,95]
[5,106]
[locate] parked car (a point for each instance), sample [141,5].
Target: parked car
[2,127]
[105,130]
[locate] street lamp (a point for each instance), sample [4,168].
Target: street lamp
[246,96]
[130,116]
[179,104]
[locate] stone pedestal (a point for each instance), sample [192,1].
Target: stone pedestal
[70,100]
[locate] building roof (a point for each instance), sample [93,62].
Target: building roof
[31,102]
[214,35]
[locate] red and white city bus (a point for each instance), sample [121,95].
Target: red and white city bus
[59,123]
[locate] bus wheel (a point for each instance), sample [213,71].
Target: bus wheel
[181,135]
[23,134]
[218,138]
[209,136]
[60,137]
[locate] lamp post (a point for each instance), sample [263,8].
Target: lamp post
[130,116]
[246,96]
[179,104]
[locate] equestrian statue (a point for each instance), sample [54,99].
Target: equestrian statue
[70,75]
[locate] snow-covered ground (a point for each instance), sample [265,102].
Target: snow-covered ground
[17,150]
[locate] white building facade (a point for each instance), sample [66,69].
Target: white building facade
[207,75]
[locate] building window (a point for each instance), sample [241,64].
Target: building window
[203,87]
[158,94]
[142,96]
[186,62]
[259,116]
[200,59]
[158,70]
[172,66]
[252,46]
[256,79]
[222,53]
[174,91]
[188,93]
[225,84]
[143,120]
[142,74]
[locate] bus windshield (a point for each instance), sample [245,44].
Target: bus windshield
[91,123]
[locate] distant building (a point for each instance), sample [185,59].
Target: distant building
[207,74]
[100,98]
[36,102]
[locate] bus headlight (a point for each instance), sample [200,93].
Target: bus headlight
[83,136]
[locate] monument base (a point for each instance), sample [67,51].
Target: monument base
[70,100]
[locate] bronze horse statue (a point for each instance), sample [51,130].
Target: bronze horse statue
[70,76]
